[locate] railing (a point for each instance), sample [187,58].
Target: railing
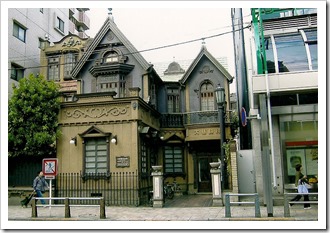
[173,120]
[287,202]
[117,188]
[204,117]
[256,203]
[67,204]
[179,120]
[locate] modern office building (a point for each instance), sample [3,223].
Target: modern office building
[283,98]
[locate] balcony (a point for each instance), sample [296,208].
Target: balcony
[173,120]
[177,120]
[83,20]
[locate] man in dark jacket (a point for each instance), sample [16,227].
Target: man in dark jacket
[40,185]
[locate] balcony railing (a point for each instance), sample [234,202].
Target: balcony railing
[177,120]
[173,120]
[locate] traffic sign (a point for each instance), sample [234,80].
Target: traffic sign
[243,117]
[49,167]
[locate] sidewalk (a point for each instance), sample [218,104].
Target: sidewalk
[241,213]
[166,218]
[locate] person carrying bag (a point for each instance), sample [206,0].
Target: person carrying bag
[301,183]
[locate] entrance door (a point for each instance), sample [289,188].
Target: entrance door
[246,174]
[204,175]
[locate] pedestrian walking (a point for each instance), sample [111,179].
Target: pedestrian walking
[301,182]
[40,185]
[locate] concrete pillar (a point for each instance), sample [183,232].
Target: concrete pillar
[67,208]
[216,184]
[157,180]
[34,208]
[102,208]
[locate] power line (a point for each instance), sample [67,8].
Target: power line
[27,58]
[146,50]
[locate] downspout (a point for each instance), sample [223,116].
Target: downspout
[270,124]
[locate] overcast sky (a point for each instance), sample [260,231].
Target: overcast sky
[148,28]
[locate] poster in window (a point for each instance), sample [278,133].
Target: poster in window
[294,157]
[312,161]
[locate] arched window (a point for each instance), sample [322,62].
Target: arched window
[111,57]
[207,96]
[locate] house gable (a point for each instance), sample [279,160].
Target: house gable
[110,30]
[214,61]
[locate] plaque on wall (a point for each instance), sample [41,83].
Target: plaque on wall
[122,161]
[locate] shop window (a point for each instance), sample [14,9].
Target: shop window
[300,147]
[96,156]
[19,31]
[207,97]
[173,159]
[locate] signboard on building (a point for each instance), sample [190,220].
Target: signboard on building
[122,161]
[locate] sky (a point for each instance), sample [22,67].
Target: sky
[148,28]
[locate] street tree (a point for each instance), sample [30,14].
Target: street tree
[33,117]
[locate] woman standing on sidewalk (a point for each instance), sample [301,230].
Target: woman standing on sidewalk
[40,185]
[301,181]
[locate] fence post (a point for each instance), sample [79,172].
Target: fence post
[67,208]
[102,208]
[286,206]
[227,206]
[34,208]
[257,207]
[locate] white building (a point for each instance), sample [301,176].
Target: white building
[28,28]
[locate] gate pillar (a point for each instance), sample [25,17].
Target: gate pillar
[216,184]
[157,181]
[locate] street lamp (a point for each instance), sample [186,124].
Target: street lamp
[220,98]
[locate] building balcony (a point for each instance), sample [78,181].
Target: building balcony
[72,28]
[178,120]
[83,20]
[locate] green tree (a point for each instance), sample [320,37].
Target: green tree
[33,117]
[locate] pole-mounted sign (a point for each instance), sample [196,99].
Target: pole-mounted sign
[49,168]
[243,117]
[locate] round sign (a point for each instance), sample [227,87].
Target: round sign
[243,117]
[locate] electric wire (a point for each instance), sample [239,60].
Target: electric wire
[145,50]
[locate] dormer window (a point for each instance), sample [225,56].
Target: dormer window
[111,57]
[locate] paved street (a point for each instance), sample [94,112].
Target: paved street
[192,208]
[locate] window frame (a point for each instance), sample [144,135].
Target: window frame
[70,60]
[173,100]
[96,175]
[51,72]
[17,28]
[59,24]
[17,72]
[167,161]
[209,98]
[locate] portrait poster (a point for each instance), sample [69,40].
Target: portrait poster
[295,156]
[312,161]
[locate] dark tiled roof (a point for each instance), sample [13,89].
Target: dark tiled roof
[161,67]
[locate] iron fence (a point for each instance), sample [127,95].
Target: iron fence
[118,189]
